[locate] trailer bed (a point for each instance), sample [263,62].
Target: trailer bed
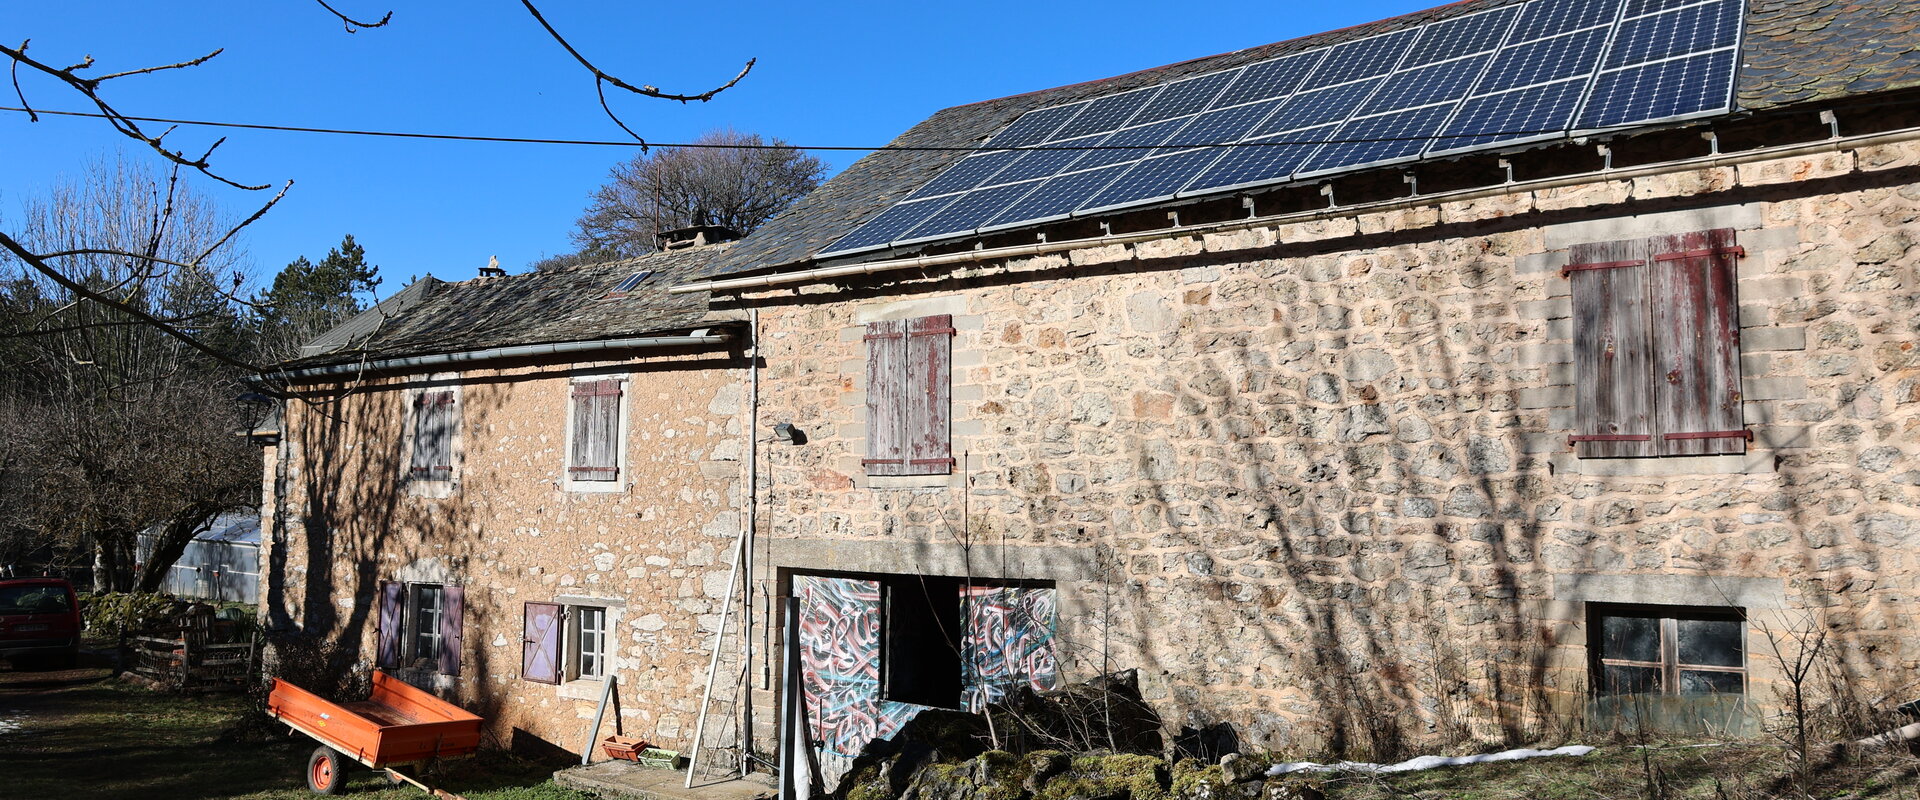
[397,725]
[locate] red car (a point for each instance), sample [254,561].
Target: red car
[39,622]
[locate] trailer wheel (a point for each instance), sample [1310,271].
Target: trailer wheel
[326,771]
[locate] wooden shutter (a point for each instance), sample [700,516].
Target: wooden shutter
[1612,348]
[1696,344]
[433,434]
[886,393]
[387,626]
[452,603]
[540,642]
[928,398]
[596,431]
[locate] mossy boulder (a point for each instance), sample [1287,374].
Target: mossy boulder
[1109,776]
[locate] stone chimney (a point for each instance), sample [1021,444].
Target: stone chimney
[492,269]
[696,236]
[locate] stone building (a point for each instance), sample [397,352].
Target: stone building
[511,488]
[1554,367]
[1587,418]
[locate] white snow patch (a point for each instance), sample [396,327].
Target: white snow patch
[1427,762]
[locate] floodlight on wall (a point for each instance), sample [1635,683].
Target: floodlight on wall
[785,432]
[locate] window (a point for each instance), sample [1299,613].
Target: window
[1670,651]
[427,609]
[1657,346]
[433,426]
[565,641]
[626,285]
[589,646]
[419,626]
[593,441]
[908,396]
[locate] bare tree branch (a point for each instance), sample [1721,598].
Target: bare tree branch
[30,259]
[90,88]
[353,25]
[602,76]
[32,116]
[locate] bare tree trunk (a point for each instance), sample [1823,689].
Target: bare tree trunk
[171,542]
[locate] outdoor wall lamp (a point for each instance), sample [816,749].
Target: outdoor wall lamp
[785,432]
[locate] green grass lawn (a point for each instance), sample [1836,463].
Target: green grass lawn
[77,734]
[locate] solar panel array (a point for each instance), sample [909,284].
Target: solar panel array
[1495,78]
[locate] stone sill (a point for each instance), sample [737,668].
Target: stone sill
[1753,462]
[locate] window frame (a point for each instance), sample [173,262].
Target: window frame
[418,634]
[1667,619]
[573,652]
[621,462]
[1656,346]
[435,483]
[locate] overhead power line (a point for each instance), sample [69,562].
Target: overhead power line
[706,145]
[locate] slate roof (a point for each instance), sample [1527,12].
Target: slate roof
[1795,51]
[562,305]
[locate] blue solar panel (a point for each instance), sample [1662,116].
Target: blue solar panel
[891,224]
[1363,58]
[1224,125]
[1057,197]
[1469,34]
[1054,157]
[1184,97]
[1544,18]
[1036,126]
[1153,179]
[1404,133]
[1308,109]
[968,211]
[1661,90]
[1545,60]
[1261,160]
[1502,77]
[974,170]
[1141,139]
[1495,118]
[1442,82]
[1268,79]
[1687,30]
[1106,113]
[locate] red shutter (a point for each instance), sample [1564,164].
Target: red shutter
[886,393]
[387,625]
[928,400]
[1613,403]
[596,431]
[452,603]
[1696,344]
[540,642]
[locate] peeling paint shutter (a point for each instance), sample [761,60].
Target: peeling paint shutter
[596,431]
[387,631]
[452,603]
[928,395]
[1696,344]
[540,642]
[886,374]
[1613,403]
[433,434]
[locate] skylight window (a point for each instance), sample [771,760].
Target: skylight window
[627,285]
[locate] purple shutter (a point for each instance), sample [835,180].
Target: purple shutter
[452,603]
[540,642]
[928,393]
[886,374]
[1612,351]
[387,630]
[1696,344]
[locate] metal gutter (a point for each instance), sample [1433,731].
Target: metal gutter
[1044,248]
[703,336]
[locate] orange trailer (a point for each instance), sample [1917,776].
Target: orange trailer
[398,725]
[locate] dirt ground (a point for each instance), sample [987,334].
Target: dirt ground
[81,733]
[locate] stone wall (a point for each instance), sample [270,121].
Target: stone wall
[1312,479]
[657,551]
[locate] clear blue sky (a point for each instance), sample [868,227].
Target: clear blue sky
[828,73]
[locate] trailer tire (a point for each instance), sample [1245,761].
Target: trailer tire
[327,771]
